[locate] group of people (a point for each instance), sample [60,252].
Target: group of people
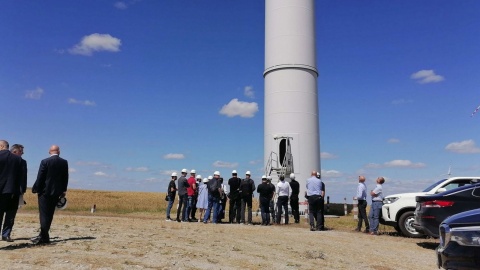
[50,186]
[371,221]
[210,195]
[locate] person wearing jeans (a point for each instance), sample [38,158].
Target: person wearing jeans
[376,208]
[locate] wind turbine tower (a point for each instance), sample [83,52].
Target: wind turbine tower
[291,131]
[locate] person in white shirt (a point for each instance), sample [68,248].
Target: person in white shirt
[284,192]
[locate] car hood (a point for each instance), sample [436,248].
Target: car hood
[413,194]
[467,217]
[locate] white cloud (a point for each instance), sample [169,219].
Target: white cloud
[255,162]
[100,174]
[138,169]
[326,155]
[426,76]
[393,140]
[398,163]
[96,43]
[72,170]
[401,101]
[120,5]
[330,174]
[373,166]
[174,156]
[404,164]
[463,147]
[34,94]
[239,108]
[168,172]
[248,92]
[223,164]
[82,102]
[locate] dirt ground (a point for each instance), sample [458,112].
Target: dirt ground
[100,242]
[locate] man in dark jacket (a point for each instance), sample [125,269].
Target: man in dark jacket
[294,198]
[16,149]
[171,192]
[10,180]
[247,187]
[51,185]
[234,197]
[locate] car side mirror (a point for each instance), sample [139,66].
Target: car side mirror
[440,190]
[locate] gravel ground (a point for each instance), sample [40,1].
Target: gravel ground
[99,242]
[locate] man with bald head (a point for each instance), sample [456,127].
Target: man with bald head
[315,202]
[362,204]
[51,185]
[10,180]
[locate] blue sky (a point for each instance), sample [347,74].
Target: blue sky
[133,90]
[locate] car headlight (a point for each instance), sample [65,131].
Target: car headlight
[389,200]
[466,236]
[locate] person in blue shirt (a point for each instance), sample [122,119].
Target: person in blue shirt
[361,197]
[315,202]
[376,208]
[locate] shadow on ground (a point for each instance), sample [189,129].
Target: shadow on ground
[53,241]
[428,245]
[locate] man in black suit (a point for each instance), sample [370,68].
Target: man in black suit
[51,185]
[10,175]
[16,149]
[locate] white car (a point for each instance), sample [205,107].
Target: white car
[398,210]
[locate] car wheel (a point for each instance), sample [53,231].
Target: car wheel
[405,225]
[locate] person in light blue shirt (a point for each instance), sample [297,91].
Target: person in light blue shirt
[376,208]
[315,202]
[362,204]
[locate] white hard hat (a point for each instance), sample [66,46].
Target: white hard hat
[248,172]
[210,177]
[216,173]
[292,176]
[174,174]
[199,176]
[264,177]
[234,172]
[192,171]
[205,180]
[269,177]
[184,170]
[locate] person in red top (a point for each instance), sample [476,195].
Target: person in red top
[191,189]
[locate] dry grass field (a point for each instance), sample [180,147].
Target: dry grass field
[129,231]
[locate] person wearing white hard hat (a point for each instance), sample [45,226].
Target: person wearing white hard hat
[272,199]
[294,198]
[182,185]
[198,180]
[202,200]
[191,189]
[265,192]
[284,192]
[171,192]
[213,198]
[234,197]
[247,187]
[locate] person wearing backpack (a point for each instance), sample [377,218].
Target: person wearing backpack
[213,198]
[247,187]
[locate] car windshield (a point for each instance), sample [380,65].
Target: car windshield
[434,185]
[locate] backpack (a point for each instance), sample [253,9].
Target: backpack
[212,186]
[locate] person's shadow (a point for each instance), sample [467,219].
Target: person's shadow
[53,241]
